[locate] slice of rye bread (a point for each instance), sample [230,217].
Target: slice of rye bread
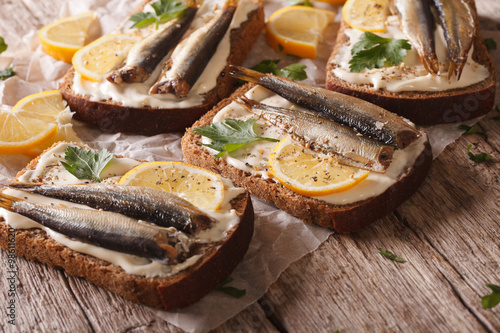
[342,218]
[109,115]
[424,107]
[176,291]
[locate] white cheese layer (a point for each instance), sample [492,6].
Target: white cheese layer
[50,171]
[137,94]
[411,74]
[254,157]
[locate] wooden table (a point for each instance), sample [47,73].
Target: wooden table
[448,233]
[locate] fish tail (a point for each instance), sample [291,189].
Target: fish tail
[244,101]
[459,68]
[452,69]
[431,65]
[245,74]
[231,3]
[19,185]
[6,201]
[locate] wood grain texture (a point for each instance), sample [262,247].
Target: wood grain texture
[448,233]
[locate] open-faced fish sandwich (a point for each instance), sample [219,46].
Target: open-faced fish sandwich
[160,247]
[431,66]
[171,74]
[304,163]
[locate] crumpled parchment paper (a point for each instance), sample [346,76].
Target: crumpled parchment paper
[279,238]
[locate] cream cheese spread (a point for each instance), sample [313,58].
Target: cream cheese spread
[137,94]
[254,157]
[410,75]
[50,171]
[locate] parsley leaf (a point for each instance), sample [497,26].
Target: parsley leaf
[471,130]
[493,299]
[6,73]
[390,255]
[230,135]
[478,158]
[231,291]
[496,118]
[295,72]
[165,10]
[86,164]
[490,44]
[305,3]
[3,46]
[373,51]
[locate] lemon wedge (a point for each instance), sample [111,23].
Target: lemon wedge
[62,38]
[102,55]
[297,30]
[19,134]
[33,124]
[308,173]
[199,186]
[366,15]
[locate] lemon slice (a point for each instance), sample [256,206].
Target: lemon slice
[102,55]
[199,186]
[308,173]
[62,38]
[366,15]
[49,107]
[297,30]
[334,2]
[19,134]
[35,123]
[45,106]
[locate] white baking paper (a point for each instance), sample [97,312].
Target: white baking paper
[279,238]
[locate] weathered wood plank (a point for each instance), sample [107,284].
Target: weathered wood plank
[347,285]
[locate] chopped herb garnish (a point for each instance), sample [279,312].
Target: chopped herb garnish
[165,10]
[231,291]
[373,51]
[471,130]
[498,107]
[3,46]
[6,73]
[491,300]
[86,164]
[293,72]
[230,135]
[490,44]
[390,255]
[305,3]
[478,158]
[496,118]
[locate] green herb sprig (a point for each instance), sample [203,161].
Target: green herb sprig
[490,44]
[471,130]
[230,135]
[390,255]
[493,299]
[86,164]
[478,158]
[305,3]
[373,51]
[295,72]
[165,10]
[231,291]
[6,73]
[3,45]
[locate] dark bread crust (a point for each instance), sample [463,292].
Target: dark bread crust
[114,117]
[343,219]
[424,107]
[180,290]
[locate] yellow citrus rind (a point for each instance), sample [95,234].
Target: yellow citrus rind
[312,174]
[199,186]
